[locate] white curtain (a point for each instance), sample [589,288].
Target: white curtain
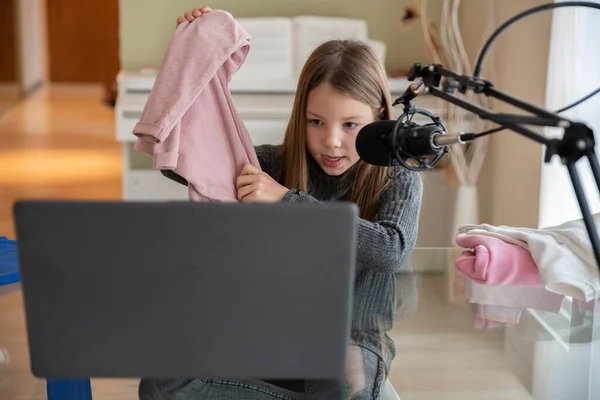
[573,72]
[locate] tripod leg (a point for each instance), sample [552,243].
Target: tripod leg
[593,160]
[585,210]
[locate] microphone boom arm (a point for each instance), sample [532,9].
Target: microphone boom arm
[577,142]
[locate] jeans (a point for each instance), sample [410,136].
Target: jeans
[365,375]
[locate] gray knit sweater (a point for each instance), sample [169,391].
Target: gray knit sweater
[384,245]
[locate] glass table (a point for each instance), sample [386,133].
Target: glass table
[523,343]
[464,340]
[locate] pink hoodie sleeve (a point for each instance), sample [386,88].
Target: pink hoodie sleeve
[196,53]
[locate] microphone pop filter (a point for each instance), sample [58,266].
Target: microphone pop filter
[372,143]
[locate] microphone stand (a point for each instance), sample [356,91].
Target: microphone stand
[577,141]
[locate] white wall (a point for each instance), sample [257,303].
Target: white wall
[509,185]
[31,34]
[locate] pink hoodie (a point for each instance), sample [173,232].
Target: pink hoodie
[495,262]
[189,123]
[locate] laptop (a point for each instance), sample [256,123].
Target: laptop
[181,289]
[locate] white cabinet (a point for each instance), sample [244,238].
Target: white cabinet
[266,131]
[149,184]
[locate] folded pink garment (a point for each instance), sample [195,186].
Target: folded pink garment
[482,324]
[189,123]
[493,261]
[505,314]
[488,316]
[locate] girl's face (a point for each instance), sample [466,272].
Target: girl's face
[333,121]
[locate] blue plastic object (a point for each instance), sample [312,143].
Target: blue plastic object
[68,389]
[9,265]
[56,389]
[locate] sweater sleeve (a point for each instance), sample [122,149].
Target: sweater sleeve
[385,243]
[294,195]
[264,155]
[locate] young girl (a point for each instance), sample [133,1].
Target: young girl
[342,87]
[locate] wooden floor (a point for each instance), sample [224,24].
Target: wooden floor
[9,94]
[59,143]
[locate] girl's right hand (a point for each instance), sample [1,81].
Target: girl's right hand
[192,15]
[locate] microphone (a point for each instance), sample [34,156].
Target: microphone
[387,142]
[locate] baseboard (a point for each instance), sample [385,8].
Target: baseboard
[31,89]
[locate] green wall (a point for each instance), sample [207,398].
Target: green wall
[146,26]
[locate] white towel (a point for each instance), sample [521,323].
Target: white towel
[563,254]
[535,297]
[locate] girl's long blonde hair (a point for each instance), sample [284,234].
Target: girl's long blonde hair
[351,68]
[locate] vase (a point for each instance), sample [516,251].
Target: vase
[466,209]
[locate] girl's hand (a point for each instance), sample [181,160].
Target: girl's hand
[254,185]
[192,15]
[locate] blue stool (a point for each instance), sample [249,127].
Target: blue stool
[57,389]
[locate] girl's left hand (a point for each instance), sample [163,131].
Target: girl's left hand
[254,185]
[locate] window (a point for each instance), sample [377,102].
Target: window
[573,72]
